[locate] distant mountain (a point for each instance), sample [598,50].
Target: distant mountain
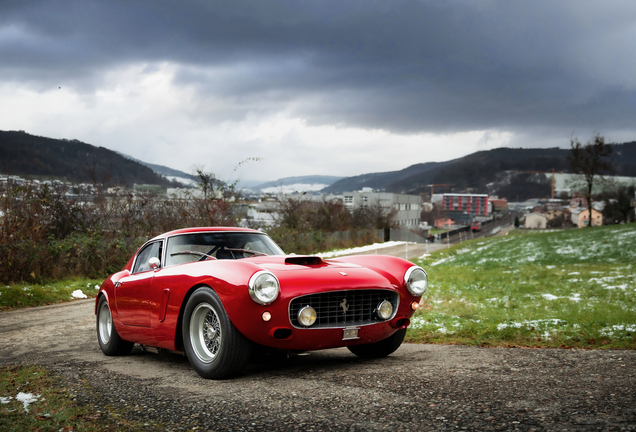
[624,158]
[506,172]
[512,173]
[380,181]
[297,184]
[160,169]
[167,172]
[29,155]
[187,179]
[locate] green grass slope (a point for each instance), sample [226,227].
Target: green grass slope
[574,288]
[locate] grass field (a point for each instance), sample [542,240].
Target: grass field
[32,400]
[574,288]
[27,295]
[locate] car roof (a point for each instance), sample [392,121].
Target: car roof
[205,229]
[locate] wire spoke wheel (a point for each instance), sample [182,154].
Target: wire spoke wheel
[214,347]
[205,332]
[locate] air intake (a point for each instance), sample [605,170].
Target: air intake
[304,260]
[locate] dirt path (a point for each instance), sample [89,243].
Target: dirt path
[420,387]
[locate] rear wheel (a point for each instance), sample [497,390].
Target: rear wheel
[109,341]
[215,348]
[380,349]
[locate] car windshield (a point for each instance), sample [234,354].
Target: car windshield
[187,248]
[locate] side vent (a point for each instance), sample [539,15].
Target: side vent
[304,260]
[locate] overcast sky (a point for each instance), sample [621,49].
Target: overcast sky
[339,87]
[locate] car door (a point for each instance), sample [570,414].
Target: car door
[133,293]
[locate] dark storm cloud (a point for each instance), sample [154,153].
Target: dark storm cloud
[406,66]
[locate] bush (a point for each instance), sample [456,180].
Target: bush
[310,242]
[56,231]
[45,234]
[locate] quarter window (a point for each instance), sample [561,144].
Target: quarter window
[150,251]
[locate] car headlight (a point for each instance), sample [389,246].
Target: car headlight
[384,310]
[307,316]
[264,287]
[416,280]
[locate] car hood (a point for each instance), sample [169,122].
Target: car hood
[310,271]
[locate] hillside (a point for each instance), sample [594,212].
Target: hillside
[160,169]
[551,288]
[505,172]
[23,154]
[382,180]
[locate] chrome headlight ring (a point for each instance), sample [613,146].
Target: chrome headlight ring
[416,280]
[384,310]
[307,316]
[264,287]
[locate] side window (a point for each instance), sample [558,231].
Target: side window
[151,250]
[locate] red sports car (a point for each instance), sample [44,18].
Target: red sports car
[216,293]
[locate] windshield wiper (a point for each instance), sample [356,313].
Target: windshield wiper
[249,251]
[187,252]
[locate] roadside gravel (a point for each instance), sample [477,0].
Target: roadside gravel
[420,387]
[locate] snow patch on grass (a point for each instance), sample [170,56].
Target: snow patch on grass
[78,294]
[27,399]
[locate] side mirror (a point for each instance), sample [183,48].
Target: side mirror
[154,263]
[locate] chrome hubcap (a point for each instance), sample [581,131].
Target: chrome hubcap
[105,323]
[205,332]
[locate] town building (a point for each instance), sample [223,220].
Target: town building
[581,217]
[475,204]
[536,221]
[407,208]
[499,205]
[578,200]
[555,213]
[444,223]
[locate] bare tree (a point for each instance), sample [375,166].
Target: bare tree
[293,212]
[592,161]
[330,216]
[207,182]
[218,206]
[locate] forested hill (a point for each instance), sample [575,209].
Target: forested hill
[502,171]
[23,154]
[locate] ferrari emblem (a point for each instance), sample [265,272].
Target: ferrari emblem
[344,306]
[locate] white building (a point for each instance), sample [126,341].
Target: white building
[408,208]
[536,221]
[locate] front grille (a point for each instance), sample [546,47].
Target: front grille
[343,308]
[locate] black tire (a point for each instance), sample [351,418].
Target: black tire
[107,336]
[380,349]
[215,348]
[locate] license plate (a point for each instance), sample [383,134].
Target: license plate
[350,333]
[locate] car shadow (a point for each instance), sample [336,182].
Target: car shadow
[270,363]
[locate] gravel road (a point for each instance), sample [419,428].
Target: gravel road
[420,387]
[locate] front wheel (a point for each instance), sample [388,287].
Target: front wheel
[380,349]
[215,348]
[109,341]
